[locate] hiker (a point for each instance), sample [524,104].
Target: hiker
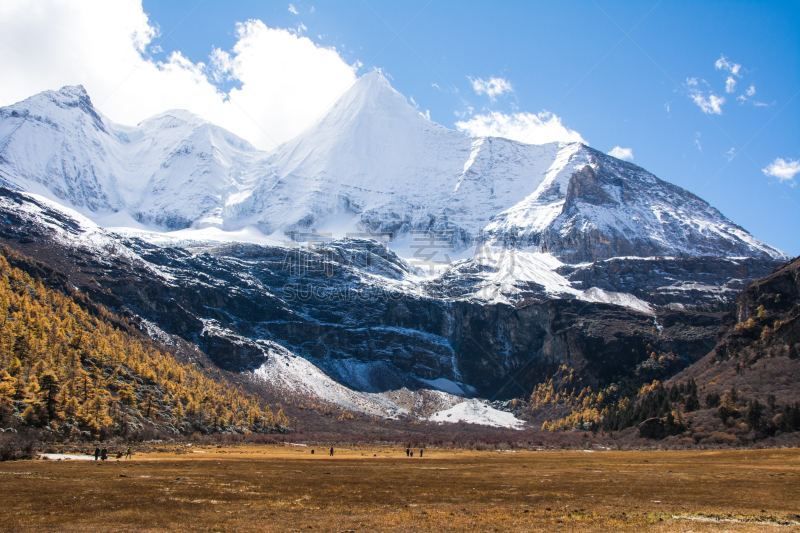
[420,452]
[119,455]
[128,453]
[412,454]
[312,452]
[331,451]
[408,452]
[96,453]
[104,453]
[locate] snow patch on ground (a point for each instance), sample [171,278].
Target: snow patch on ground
[617,298]
[445,385]
[477,412]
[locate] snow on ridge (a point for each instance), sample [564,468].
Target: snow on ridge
[367,160]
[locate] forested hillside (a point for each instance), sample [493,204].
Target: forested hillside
[70,366]
[746,389]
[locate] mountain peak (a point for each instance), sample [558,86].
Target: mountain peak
[66,98]
[373,94]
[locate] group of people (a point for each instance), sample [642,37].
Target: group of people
[410,452]
[103,454]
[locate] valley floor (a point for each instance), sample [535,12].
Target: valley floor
[270,488]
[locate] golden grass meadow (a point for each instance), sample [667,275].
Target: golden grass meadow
[272,488]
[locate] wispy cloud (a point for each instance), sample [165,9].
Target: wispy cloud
[493,87]
[784,170]
[530,128]
[703,95]
[462,114]
[730,154]
[747,97]
[622,153]
[723,64]
[292,9]
[711,104]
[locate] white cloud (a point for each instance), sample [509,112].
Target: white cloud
[622,153]
[493,87]
[284,80]
[311,10]
[730,84]
[292,9]
[723,64]
[462,114]
[730,154]
[411,99]
[524,127]
[711,104]
[751,91]
[699,146]
[784,170]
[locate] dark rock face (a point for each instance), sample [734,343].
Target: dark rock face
[758,349]
[778,293]
[767,313]
[338,305]
[226,298]
[662,281]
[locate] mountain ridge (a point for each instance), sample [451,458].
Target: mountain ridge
[372,163]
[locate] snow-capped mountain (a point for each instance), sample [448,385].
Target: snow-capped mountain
[168,171]
[372,162]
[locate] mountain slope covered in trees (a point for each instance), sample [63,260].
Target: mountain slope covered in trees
[73,368]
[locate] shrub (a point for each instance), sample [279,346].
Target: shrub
[15,446]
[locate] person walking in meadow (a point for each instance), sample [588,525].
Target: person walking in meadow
[104,454]
[408,452]
[331,451]
[96,453]
[128,453]
[420,452]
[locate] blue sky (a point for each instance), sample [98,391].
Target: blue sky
[644,76]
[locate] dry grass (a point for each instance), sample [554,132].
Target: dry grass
[287,489]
